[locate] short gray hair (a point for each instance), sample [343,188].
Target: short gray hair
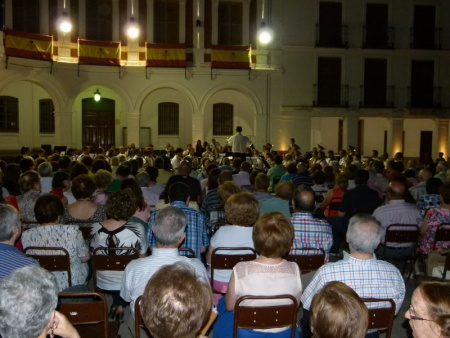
[9,219]
[169,225]
[28,297]
[364,233]
[45,169]
[142,179]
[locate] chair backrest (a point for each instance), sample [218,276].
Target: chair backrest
[265,316]
[87,311]
[111,261]
[381,318]
[59,262]
[187,252]
[309,261]
[402,233]
[223,261]
[442,234]
[138,323]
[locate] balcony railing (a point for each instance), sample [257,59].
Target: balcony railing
[422,97]
[330,96]
[425,38]
[376,40]
[377,100]
[327,36]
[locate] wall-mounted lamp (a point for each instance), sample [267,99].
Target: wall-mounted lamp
[133,29]
[198,23]
[65,25]
[97,95]
[265,34]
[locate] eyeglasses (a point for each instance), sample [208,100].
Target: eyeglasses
[412,317]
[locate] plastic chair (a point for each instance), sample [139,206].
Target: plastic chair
[89,314]
[228,261]
[308,262]
[52,262]
[401,234]
[111,262]
[381,318]
[265,316]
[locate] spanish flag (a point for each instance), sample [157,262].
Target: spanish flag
[165,55]
[28,45]
[239,57]
[104,53]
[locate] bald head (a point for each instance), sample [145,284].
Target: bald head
[304,199]
[396,190]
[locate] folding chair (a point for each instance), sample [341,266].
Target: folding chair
[89,315]
[265,316]
[187,252]
[381,318]
[53,262]
[102,262]
[442,234]
[401,234]
[308,262]
[228,261]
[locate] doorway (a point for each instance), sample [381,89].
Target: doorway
[98,120]
[426,142]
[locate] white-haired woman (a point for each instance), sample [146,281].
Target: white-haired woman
[28,299]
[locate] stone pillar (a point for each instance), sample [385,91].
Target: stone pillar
[397,136]
[197,128]
[350,132]
[63,128]
[443,137]
[133,131]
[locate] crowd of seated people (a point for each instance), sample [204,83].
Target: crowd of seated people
[117,195]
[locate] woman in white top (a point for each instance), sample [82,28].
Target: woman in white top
[268,275]
[241,210]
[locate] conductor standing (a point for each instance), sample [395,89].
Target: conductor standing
[239,143]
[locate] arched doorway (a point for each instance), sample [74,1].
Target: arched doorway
[98,123]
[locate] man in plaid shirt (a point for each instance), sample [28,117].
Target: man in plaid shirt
[360,270]
[309,232]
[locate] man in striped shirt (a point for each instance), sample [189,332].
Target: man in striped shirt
[10,230]
[360,270]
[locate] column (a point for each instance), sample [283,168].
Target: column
[350,132]
[397,136]
[63,128]
[197,128]
[133,131]
[199,32]
[246,22]
[443,137]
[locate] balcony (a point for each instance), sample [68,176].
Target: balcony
[329,36]
[381,38]
[424,97]
[377,97]
[425,38]
[327,95]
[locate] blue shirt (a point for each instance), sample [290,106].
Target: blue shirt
[196,235]
[12,259]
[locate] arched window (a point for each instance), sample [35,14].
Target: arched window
[9,114]
[222,119]
[46,116]
[168,118]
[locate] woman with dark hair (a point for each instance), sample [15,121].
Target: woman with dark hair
[142,213]
[11,175]
[60,184]
[48,210]
[116,231]
[335,195]
[83,211]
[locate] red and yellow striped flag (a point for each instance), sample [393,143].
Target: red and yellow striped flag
[105,53]
[165,55]
[28,45]
[231,57]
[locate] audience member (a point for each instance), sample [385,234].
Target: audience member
[169,231]
[376,279]
[276,172]
[28,299]
[176,303]
[242,178]
[335,195]
[45,172]
[30,185]
[102,179]
[337,311]
[281,201]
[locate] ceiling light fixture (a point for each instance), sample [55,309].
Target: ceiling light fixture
[97,95]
